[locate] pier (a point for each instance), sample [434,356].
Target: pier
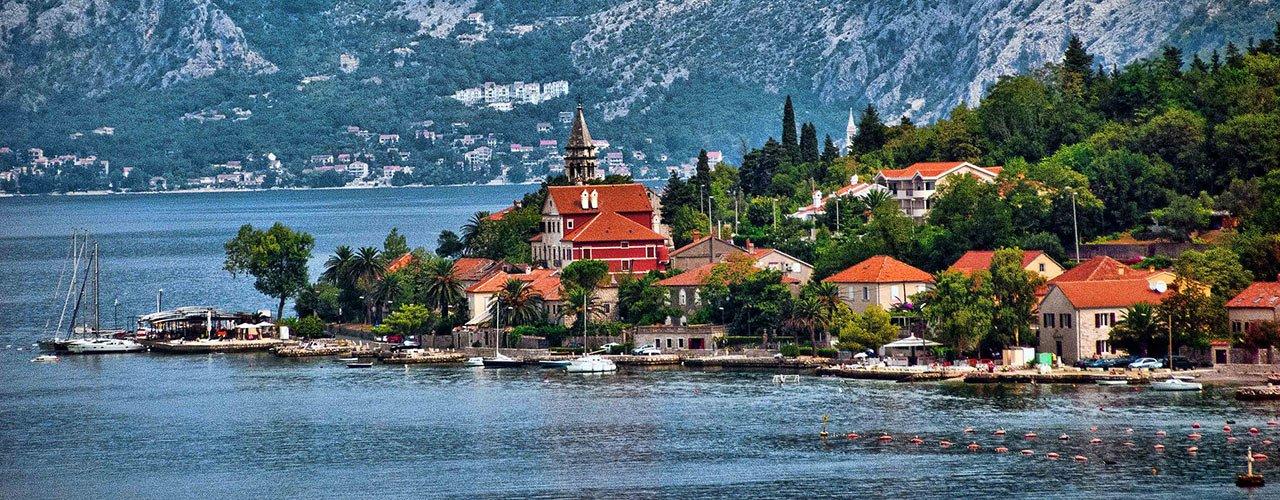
[208,346]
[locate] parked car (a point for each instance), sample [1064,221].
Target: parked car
[1147,363]
[646,351]
[611,347]
[1116,362]
[1182,363]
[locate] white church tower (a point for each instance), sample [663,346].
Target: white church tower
[850,131]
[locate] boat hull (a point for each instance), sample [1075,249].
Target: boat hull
[104,347]
[503,363]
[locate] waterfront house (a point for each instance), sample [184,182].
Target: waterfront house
[1035,261]
[703,250]
[913,187]
[880,280]
[1256,304]
[619,224]
[546,283]
[1076,317]
[684,288]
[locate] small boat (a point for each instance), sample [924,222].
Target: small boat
[103,346]
[45,358]
[591,364]
[1112,381]
[1176,384]
[502,361]
[474,361]
[360,364]
[549,363]
[347,360]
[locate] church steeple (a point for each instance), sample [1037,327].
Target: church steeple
[580,152]
[850,131]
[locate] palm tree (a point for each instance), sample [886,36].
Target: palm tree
[1139,330]
[440,285]
[804,315]
[828,297]
[337,266]
[471,232]
[574,300]
[522,303]
[873,199]
[366,270]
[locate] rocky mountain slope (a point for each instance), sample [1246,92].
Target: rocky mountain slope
[673,75]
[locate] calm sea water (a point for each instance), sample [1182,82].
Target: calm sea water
[250,425]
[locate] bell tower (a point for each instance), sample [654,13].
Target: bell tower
[580,152]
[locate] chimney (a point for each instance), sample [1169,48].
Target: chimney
[1120,270]
[695,235]
[751,247]
[817,198]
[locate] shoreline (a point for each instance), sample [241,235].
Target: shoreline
[278,188]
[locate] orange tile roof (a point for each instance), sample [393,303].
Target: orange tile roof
[880,269]
[931,170]
[975,260]
[698,277]
[497,216]
[612,198]
[1262,295]
[400,262]
[1108,294]
[699,241]
[611,226]
[545,281]
[1100,268]
[474,268]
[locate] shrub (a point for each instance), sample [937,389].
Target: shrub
[828,352]
[309,327]
[789,350]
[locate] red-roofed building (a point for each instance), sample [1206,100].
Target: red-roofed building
[1259,302]
[881,280]
[1076,317]
[684,287]
[615,223]
[913,186]
[1035,261]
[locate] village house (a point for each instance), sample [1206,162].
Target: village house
[1035,261]
[913,187]
[1258,303]
[703,250]
[619,224]
[1076,317]
[855,189]
[684,288]
[880,280]
[546,284]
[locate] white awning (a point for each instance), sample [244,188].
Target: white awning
[909,342]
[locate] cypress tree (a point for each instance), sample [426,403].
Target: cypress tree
[789,142]
[702,176]
[1215,61]
[829,150]
[871,132]
[808,143]
[1172,60]
[1234,59]
[1076,59]
[1198,65]
[906,123]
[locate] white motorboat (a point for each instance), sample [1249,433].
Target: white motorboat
[1176,384]
[1112,381]
[591,363]
[500,360]
[474,361]
[45,358]
[347,360]
[103,346]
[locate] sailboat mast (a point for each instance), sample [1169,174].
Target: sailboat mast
[75,313]
[97,290]
[497,330]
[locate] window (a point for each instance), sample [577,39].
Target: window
[568,224]
[1100,320]
[1048,320]
[1237,327]
[682,343]
[586,253]
[1064,320]
[684,297]
[866,294]
[668,343]
[1042,267]
[626,264]
[648,251]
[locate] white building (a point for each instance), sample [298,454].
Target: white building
[914,186]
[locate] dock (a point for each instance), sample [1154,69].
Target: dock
[1259,393]
[209,346]
[415,358]
[1060,377]
[894,374]
[755,362]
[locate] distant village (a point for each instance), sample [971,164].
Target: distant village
[374,158]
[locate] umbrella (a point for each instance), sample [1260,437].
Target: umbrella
[861,355]
[245,326]
[264,324]
[912,341]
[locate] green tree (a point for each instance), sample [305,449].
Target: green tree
[276,258]
[1014,292]
[408,320]
[395,245]
[1139,330]
[1196,316]
[789,142]
[959,310]
[641,301]
[869,330]
[1217,267]
[1076,59]
[441,286]
[1259,252]
[872,133]
[321,299]
[1249,145]
[829,150]
[448,245]
[808,143]
[1184,216]
[521,304]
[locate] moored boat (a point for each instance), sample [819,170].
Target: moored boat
[591,363]
[1112,381]
[45,358]
[554,363]
[500,360]
[360,364]
[103,346]
[1176,384]
[474,361]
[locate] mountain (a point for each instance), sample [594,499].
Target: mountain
[658,76]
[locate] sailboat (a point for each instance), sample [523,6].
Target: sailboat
[500,360]
[589,362]
[84,339]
